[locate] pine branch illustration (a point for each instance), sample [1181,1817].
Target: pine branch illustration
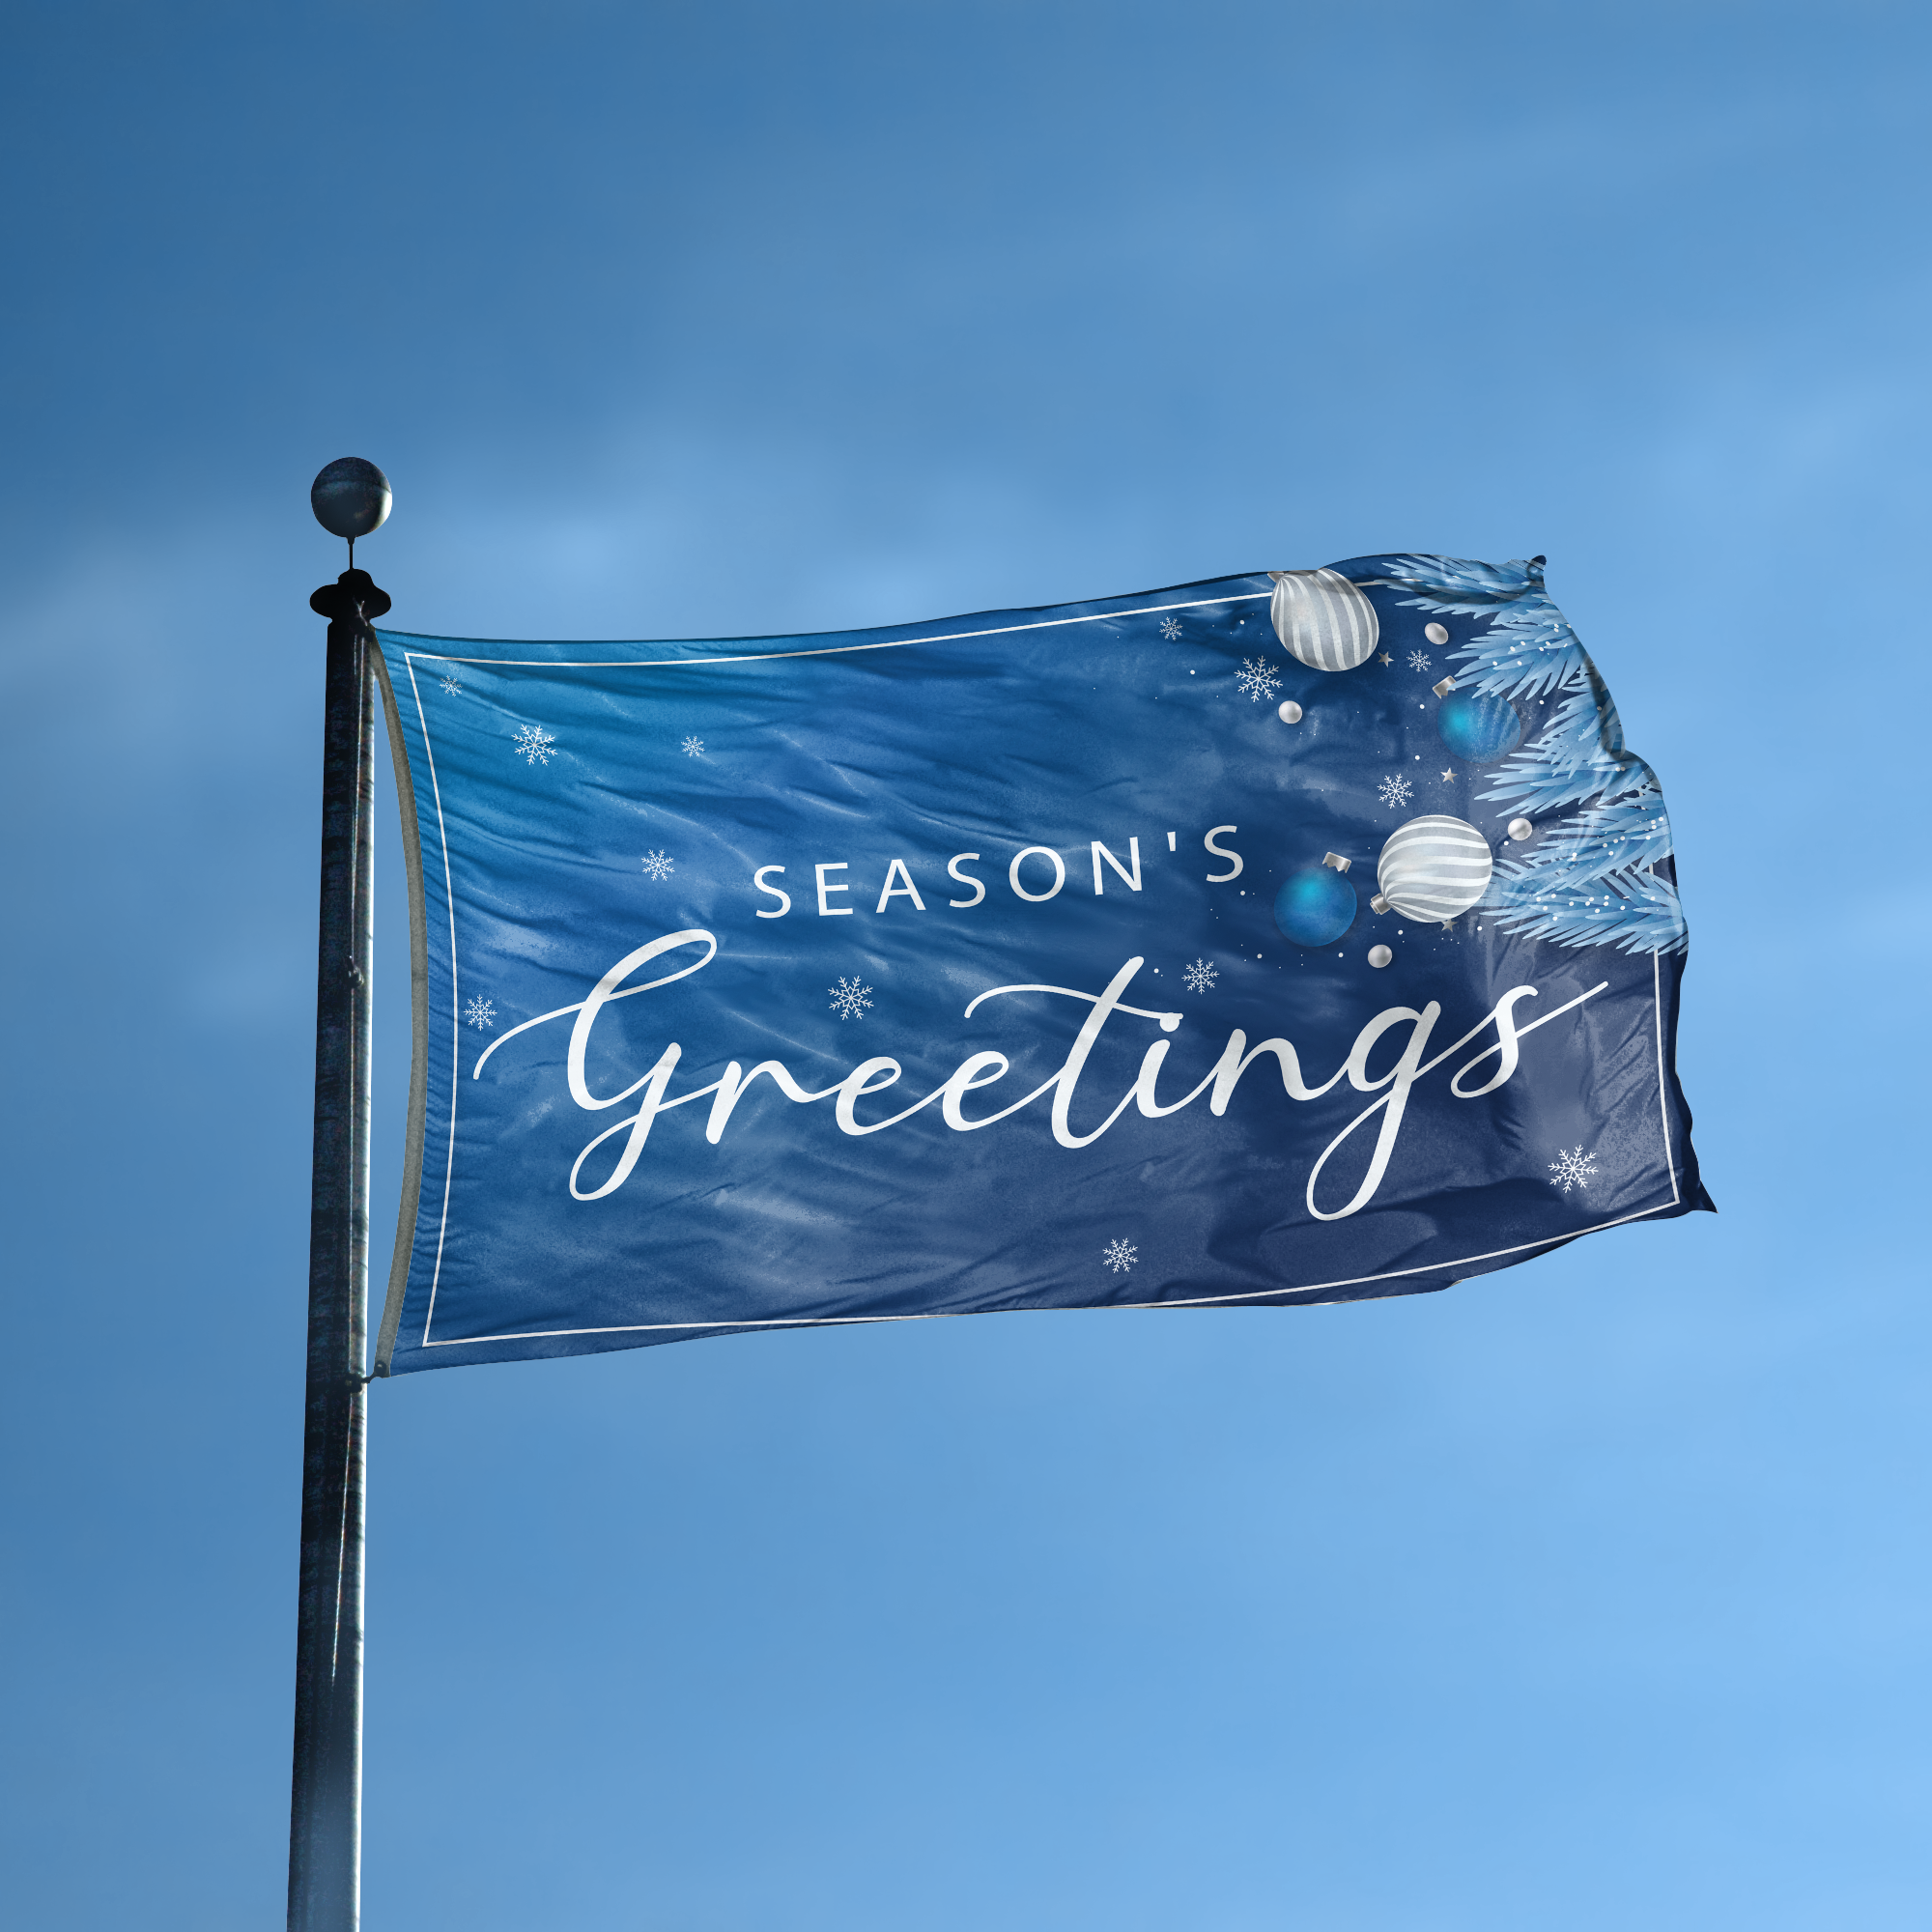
[1608,838]
[1528,648]
[1526,651]
[1563,767]
[1630,907]
[1457,583]
[1588,881]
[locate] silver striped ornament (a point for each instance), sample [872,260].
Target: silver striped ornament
[1322,619]
[1434,867]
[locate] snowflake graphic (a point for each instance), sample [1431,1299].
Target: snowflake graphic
[659,865]
[850,999]
[1419,660]
[1120,1255]
[1200,976]
[1170,627]
[535,744]
[693,747]
[450,685]
[1572,1168]
[1396,791]
[1257,678]
[480,1013]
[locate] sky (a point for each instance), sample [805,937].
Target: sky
[1593,1593]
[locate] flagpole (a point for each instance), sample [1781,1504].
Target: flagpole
[326,1807]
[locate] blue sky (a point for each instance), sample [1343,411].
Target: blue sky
[1590,1594]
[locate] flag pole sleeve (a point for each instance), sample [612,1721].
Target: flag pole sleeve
[412,1140]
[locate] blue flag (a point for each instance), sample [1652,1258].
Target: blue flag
[1305,936]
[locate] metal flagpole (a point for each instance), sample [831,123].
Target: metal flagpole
[350,499]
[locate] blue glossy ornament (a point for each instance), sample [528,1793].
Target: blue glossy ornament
[1316,906]
[1479,728]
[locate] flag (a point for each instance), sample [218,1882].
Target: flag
[1295,937]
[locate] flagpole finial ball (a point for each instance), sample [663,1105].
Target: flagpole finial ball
[351,498]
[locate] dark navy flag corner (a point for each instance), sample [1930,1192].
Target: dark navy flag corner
[1298,937]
